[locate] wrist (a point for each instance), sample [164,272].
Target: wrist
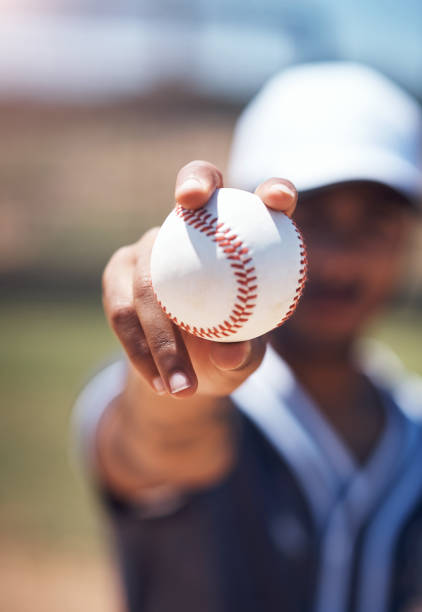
[118,466]
[173,443]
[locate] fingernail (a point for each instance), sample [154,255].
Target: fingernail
[280,188]
[178,381]
[158,385]
[190,184]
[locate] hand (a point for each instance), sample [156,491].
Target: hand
[168,359]
[143,442]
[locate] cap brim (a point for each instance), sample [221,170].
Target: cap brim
[313,168]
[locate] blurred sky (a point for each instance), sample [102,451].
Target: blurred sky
[80,50]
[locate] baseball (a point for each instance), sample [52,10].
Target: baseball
[229,271]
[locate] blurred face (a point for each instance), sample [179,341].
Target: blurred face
[355,235]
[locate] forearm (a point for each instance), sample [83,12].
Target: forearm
[145,441]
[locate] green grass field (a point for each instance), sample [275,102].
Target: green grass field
[48,350]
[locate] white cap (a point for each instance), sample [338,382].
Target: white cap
[324,123]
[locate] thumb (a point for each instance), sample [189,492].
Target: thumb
[229,356]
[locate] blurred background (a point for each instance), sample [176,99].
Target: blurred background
[101,102]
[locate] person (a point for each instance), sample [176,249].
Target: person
[282,473]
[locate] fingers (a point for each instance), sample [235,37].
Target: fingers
[164,339]
[122,316]
[279,194]
[153,344]
[196,183]
[160,351]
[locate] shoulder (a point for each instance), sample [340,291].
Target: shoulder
[408,395]
[383,366]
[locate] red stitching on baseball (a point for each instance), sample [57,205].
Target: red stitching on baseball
[302,278]
[237,253]
[234,252]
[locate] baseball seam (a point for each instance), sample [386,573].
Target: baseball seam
[240,260]
[302,278]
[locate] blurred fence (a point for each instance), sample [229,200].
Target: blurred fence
[77,183]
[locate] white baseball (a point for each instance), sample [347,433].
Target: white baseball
[229,271]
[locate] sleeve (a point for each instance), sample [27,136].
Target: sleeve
[89,407]
[160,544]
[88,410]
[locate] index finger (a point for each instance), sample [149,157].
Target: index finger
[164,339]
[196,182]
